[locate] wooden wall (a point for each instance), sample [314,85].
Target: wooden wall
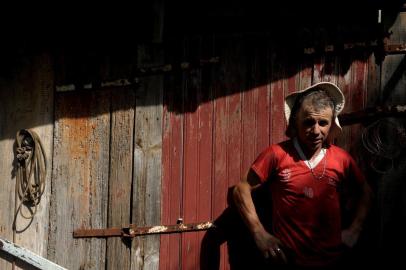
[169,147]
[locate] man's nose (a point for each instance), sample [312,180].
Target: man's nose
[316,129]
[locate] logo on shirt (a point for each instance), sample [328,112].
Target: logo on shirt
[308,192]
[285,175]
[332,181]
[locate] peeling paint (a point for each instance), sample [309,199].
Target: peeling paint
[158,229]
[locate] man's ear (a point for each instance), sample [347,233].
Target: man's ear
[334,133]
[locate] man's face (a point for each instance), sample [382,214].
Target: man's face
[313,127]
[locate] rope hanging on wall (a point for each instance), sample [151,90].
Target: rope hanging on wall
[384,139]
[31,172]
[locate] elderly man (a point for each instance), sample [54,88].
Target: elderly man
[305,174]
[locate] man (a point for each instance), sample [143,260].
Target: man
[305,176]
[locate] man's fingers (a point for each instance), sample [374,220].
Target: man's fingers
[282,255]
[272,252]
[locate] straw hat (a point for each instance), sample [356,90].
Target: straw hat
[331,89]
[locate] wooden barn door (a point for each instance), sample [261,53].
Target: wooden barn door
[218,119]
[107,170]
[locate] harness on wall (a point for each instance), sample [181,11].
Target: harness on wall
[30,173]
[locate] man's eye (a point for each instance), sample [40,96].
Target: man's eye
[323,123]
[309,122]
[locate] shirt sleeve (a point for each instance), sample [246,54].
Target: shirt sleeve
[264,163]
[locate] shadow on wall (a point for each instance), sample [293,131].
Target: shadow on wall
[256,45]
[230,228]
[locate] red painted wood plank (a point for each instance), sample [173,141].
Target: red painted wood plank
[205,141]
[263,117]
[318,69]
[191,176]
[261,81]
[306,72]
[249,134]
[278,125]
[330,68]
[358,95]
[172,151]
[344,83]
[220,176]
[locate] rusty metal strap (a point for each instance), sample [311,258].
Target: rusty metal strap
[133,231]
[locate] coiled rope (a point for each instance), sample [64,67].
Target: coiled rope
[384,139]
[31,172]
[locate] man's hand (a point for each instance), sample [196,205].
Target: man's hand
[270,246]
[349,237]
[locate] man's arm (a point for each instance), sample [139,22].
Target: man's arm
[350,236]
[268,244]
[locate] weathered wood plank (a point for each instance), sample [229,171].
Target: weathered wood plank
[120,178]
[373,81]
[80,177]
[26,98]
[146,204]
[393,80]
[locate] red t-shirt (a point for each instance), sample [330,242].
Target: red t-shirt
[306,210]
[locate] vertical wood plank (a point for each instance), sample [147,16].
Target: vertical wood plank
[191,176]
[318,69]
[190,242]
[146,205]
[248,112]
[80,177]
[239,110]
[221,122]
[393,66]
[344,83]
[26,99]
[120,178]
[261,71]
[330,68]
[358,95]
[373,82]
[205,141]
[172,166]
[306,72]
[277,100]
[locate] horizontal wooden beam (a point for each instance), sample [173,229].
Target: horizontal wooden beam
[372,114]
[139,73]
[28,256]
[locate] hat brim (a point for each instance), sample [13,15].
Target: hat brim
[331,89]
